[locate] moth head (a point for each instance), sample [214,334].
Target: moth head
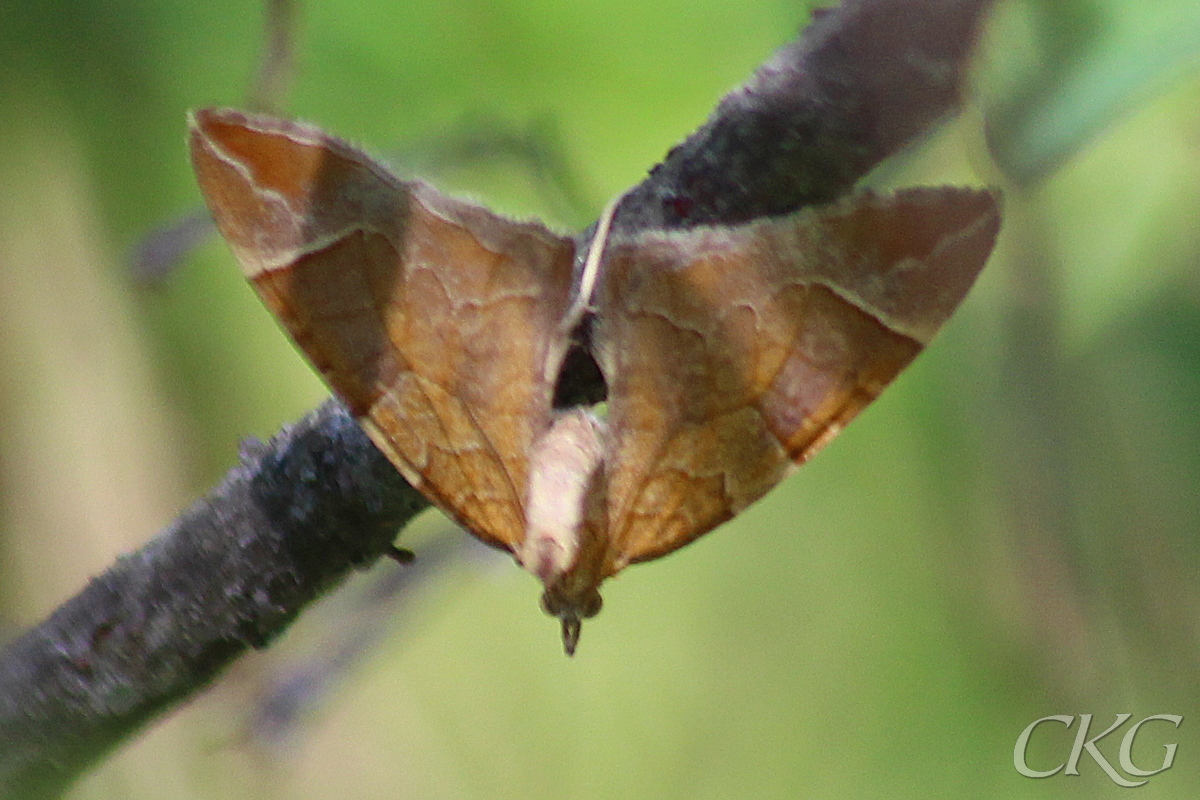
[571,607]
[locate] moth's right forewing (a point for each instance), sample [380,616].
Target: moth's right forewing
[873,278]
[730,351]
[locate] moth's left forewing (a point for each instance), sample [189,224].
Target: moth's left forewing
[433,319]
[731,353]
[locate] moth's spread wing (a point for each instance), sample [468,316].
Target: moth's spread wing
[431,318]
[732,353]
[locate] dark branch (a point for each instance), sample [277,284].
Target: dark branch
[863,81]
[298,514]
[231,573]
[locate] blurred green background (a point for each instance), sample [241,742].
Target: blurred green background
[1009,533]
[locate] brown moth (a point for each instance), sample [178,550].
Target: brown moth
[730,353]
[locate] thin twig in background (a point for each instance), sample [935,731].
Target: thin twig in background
[164,249]
[277,66]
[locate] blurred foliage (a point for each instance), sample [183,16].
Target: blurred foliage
[1009,533]
[1079,65]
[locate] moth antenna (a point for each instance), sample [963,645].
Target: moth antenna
[591,265]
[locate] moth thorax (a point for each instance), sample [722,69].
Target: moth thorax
[564,468]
